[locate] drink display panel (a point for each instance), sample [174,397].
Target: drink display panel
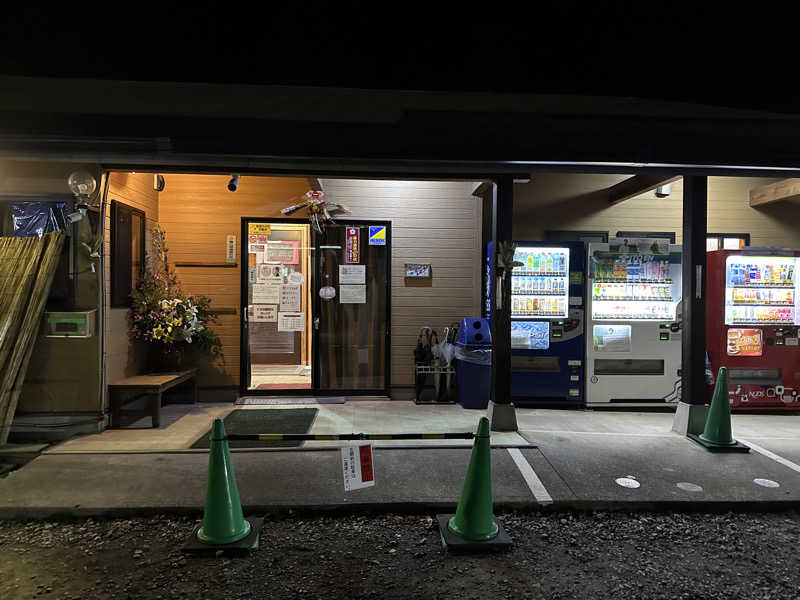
[632,287]
[540,287]
[760,290]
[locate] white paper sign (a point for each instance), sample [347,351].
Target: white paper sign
[267,293]
[352,274]
[291,321]
[264,313]
[296,277]
[267,271]
[230,249]
[357,467]
[353,294]
[290,298]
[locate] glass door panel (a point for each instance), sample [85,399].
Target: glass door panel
[353,299]
[277,328]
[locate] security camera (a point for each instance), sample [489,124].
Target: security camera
[233,184]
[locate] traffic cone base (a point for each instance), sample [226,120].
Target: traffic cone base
[473,526]
[716,436]
[195,546]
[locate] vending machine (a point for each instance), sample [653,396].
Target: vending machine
[633,337]
[547,323]
[752,320]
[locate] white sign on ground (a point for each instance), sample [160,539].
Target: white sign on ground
[357,467]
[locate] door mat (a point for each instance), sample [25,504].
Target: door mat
[283,386]
[270,420]
[260,401]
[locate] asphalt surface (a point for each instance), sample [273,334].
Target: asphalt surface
[555,556]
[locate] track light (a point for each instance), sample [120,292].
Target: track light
[233,184]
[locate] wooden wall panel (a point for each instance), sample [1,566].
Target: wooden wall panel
[432,222]
[136,190]
[198,213]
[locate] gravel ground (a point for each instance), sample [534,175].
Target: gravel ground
[602,555]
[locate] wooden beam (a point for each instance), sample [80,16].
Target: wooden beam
[636,186]
[785,189]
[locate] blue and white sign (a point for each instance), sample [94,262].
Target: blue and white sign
[377,235]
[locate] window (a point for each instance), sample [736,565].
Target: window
[127,252]
[727,241]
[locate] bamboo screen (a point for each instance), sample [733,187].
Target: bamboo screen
[27,266]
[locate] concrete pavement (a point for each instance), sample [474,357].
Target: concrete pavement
[563,459]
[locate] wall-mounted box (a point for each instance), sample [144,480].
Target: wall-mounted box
[77,324]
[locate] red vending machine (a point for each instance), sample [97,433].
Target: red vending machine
[752,320]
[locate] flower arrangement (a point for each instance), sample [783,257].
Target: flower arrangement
[162,313]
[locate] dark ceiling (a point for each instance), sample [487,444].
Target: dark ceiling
[661,50]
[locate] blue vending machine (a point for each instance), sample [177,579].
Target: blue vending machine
[547,323]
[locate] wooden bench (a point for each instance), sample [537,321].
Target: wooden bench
[153,384]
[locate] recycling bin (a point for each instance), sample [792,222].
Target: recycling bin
[473,353]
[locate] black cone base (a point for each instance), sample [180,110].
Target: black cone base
[244,545]
[454,543]
[737,447]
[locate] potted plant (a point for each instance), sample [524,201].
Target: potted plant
[165,318]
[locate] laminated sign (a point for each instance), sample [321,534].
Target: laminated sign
[377,235]
[357,467]
[352,252]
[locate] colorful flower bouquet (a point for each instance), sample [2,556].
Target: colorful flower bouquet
[162,314]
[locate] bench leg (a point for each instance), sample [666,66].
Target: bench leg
[157,411]
[116,400]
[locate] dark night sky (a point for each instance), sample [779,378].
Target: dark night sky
[728,57]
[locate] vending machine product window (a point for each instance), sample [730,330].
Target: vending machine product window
[760,290]
[540,286]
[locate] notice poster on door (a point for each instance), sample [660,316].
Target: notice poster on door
[263,314]
[290,298]
[352,294]
[268,292]
[230,249]
[744,342]
[291,321]
[352,250]
[612,338]
[259,228]
[352,274]
[269,272]
[283,251]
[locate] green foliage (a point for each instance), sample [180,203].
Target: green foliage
[162,313]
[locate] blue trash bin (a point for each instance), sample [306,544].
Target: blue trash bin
[474,363]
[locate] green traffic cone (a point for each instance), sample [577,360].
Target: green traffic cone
[223,521]
[718,423]
[474,518]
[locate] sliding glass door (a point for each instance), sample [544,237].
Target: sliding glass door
[353,296]
[315,308]
[276,293]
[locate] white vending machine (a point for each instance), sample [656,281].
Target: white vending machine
[633,337]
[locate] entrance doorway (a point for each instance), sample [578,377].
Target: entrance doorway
[315,308]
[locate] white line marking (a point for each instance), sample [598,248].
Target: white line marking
[531,478]
[779,459]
